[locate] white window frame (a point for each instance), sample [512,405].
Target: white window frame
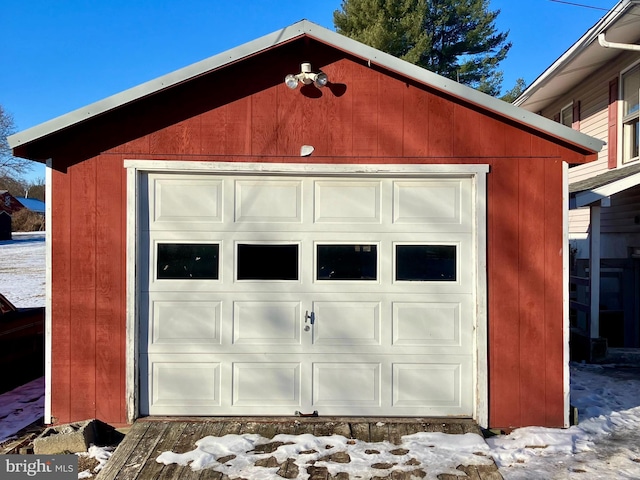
[622,119]
[569,108]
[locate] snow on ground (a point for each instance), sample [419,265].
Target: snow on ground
[605,444]
[21,407]
[101,454]
[439,451]
[22,264]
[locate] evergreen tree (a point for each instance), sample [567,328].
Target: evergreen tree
[454,38]
[515,92]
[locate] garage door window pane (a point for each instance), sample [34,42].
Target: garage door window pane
[267,262]
[197,261]
[426,263]
[347,262]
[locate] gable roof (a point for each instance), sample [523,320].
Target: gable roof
[620,25]
[33,204]
[328,37]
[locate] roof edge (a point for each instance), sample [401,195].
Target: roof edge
[576,49]
[157,84]
[334,39]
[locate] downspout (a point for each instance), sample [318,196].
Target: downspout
[620,46]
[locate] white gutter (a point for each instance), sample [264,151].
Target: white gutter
[576,49]
[620,46]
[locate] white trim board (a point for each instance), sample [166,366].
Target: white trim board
[137,167]
[304,168]
[48,276]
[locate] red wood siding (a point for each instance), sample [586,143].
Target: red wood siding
[366,116]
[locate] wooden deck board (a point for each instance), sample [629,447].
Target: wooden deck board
[139,457]
[152,468]
[135,458]
[185,443]
[128,445]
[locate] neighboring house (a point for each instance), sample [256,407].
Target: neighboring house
[594,88]
[8,203]
[32,204]
[389,245]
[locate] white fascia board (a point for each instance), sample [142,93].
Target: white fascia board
[336,40]
[604,192]
[576,49]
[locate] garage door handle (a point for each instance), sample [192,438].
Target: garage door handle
[311,317]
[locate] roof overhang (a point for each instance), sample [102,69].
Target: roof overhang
[600,189]
[328,37]
[620,25]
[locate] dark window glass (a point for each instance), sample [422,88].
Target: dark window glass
[347,262]
[426,263]
[267,262]
[188,261]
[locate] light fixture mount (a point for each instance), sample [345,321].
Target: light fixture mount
[307,77]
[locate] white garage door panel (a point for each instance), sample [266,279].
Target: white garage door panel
[264,383]
[367,345]
[266,323]
[184,199]
[346,323]
[441,203]
[430,324]
[434,385]
[261,201]
[350,384]
[347,202]
[185,383]
[184,322]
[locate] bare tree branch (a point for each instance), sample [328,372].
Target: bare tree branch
[8,163]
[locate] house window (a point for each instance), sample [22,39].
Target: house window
[630,114]
[566,116]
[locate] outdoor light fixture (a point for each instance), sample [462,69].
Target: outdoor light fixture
[307,77]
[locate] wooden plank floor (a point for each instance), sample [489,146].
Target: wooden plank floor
[135,457]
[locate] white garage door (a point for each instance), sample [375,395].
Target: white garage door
[270,295]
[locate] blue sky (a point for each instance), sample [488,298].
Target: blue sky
[59,55]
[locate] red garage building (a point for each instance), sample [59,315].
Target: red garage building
[391,243]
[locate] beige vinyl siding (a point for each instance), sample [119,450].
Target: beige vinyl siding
[593,95]
[579,221]
[620,216]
